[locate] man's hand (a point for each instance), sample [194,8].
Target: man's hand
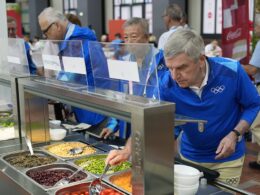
[117,156]
[227,146]
[105,133]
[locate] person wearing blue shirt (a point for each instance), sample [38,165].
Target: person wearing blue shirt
[253,69]
[12,30]
[55,26]
[213,89]
[136,30]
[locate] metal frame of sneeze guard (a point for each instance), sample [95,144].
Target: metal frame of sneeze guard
[63,62]
[152,138]
[126,72]
[16,62]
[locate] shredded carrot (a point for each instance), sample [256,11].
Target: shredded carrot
[123,180]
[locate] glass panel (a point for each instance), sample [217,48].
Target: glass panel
[66,4]
[209,17]
[63,62]
[7,130]
[126,12]
[117,12]
[138,1]
[219,17]
[126,1]
[129,70]
[149,15]
[137,11]
[117,2]
[73,4]
[17,57]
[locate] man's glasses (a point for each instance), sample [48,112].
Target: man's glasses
[48,28]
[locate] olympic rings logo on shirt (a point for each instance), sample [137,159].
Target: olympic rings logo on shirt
[218,89]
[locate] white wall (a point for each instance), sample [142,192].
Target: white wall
[194,14]
[108,13]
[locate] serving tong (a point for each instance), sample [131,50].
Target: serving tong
[29,144]
[95,186]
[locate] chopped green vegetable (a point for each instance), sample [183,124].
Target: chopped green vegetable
[96,165]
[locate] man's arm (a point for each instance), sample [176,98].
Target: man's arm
[117,156]
[227,145]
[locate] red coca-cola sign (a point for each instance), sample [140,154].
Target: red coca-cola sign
[231,35]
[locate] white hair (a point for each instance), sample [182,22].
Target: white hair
[184,41]
[52,15]
[138,21]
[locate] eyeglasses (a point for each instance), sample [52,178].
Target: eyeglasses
[47,29]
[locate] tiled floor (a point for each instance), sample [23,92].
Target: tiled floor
[250,180]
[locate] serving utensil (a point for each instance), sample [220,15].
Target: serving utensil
[77,150]
[29,144]
[95,186]
[66,180]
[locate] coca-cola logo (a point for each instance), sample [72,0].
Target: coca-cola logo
[235,34]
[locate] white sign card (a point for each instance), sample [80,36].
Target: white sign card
[123,70]
[13,59]
[74,64]
[51,62]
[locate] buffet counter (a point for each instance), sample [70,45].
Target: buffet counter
[16,181]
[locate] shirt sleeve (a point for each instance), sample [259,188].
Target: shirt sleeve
[247,96]
[112,124]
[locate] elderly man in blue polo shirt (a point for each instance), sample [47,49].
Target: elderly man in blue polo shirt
[214,89]
[55,26]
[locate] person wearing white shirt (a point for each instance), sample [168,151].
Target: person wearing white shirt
[172,18]
[212,49]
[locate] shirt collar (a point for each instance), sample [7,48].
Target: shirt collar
[205,80]
[69,30]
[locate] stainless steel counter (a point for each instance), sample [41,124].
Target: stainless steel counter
[13,182]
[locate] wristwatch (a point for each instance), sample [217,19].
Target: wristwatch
[239,136]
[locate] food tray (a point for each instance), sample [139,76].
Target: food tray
[5,158]
[100,165]
[109,179]
[54,173]
[82,188]
[64,148]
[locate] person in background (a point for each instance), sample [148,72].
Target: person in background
[253,69]
[198,85]
[153,40]
[136,30]
[36,45]
[212,49]
[172,17]
[73,19]
[55,26]
[184,21]
[12,29]
[91,28]
[116,42]
[104,38]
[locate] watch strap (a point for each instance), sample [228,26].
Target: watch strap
[236,132]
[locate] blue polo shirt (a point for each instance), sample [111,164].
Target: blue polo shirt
[228,97]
